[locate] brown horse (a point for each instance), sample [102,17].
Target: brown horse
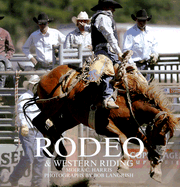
[138,105]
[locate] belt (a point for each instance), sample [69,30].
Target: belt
[101,46]
[104,46]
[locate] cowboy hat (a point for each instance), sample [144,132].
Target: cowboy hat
[81,16]
[42,18]
[102,3]
[1,17]
[32,80]
[141,15]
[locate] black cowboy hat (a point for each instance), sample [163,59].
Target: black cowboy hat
[141,15]
[1,17]
[101,3]
[42,18]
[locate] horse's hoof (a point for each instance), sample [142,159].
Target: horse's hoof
[122,166]
[156,176]
[155,172]
[59,162]
[123,162]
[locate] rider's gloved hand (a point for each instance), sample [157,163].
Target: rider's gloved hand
[153,58]
[120,56]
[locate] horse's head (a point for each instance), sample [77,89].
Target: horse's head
[161,129]
[158,134]
[150,102]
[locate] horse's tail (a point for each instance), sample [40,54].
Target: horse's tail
[30,101]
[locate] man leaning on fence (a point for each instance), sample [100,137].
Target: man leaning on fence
[141,40]
[43,41]
[28,135]
[6,52]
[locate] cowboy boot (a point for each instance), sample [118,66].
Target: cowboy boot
[109,103]
[107,88]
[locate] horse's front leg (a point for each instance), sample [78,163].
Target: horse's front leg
[46,127]
[155,169]
[124,160]
[62,121]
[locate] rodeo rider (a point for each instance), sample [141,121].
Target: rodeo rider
[105,41]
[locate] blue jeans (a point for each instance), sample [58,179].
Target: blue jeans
[2,77]
[29,146]
[5,64]
[108,91]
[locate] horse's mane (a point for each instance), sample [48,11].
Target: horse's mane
[155,94]
[161,100]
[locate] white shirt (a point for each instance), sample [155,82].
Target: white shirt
[43,44]
[142,43]
[103,23]
[74,38]
[32,111]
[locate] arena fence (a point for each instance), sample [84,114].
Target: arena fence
[167,72]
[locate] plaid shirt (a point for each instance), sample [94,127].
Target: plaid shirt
[76,37]
[6,45]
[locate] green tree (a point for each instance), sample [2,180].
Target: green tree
[19,13]
[162,11]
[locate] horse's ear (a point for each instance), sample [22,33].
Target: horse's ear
[127,55]
[130,69]
[116,69]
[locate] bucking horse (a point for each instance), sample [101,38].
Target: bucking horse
[68,96]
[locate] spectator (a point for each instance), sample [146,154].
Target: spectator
[105,42]
[43,40]
[79,35]
[6,52]
[141,41]
[27,136]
